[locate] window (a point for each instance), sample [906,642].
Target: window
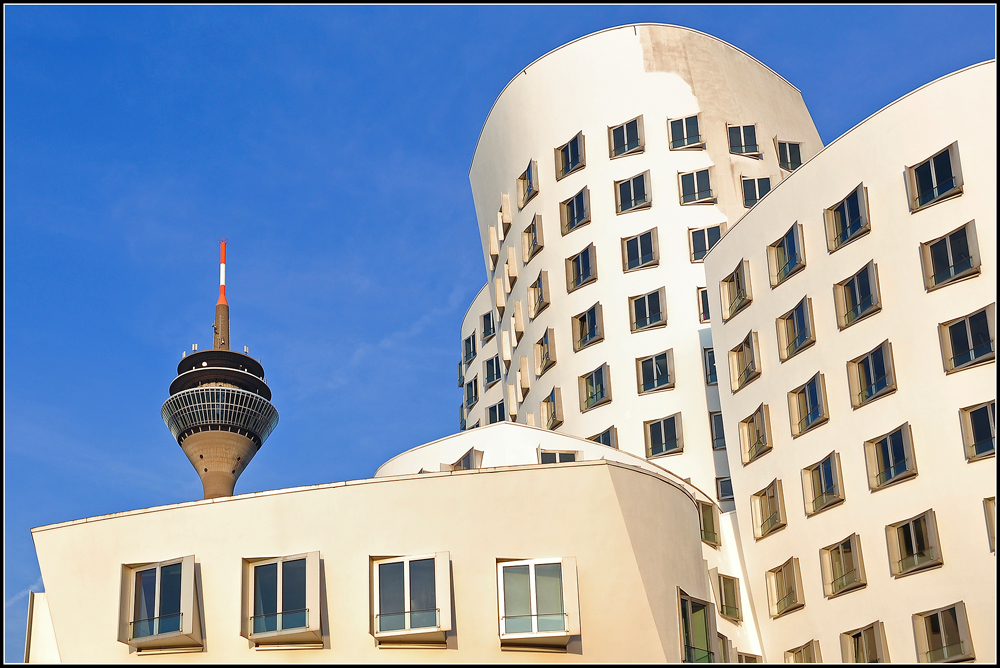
[857,297]
[913,544]
[538,294]
[608,437]
[640,251]
[784,588]
[461,417]
[684,133]
[702,241]
[581,269]
[489,326]
[724,489]
[890,458]
[718,434]
[545,352]
[538,600]
[531,238]
[990,506]
[725,650]
[935,179]
[555,457]
[952,257]
[789,156]
[697,627]
[527,184]
[823,484]
[461,374]
[647,310]
[551,409]
[808,653]
[588,327]
[848,219]
[703,313]
[412,598]
[626,138]
[748,658]
[795,330]
[785,256]
[968,341]
[754,190]
[663,436]
[807,405]
[768,510]
[575,212]
[865,645]
[654,372]
[755,434]
[570,157]
[470,348]
[282,600]
[159,606]
[743,366]
[729,598]
[735,290]
[843,569]
[870,376]
[743,140]
[495,413]
[492,370]
[471,393]
[709,523]
[633,193]
[711,377]
[504,218]
[595,388]
[696,187]
[470,461]
[979,430]
[943,635]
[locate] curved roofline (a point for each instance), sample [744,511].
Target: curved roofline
[598,32]
[858,125]
[472,303]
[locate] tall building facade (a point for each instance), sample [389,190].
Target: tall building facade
[728,396]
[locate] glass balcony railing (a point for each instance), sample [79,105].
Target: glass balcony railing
[796,343]
[787,268]
[633,203]
[984,446]
[626,147]
[946,652]
[823,500]
[844,581]
[588,336]
[914,560]
[746,148]
[769,523]
[790,166]
[872,390]
[737,302]
[709,536]
[154,626]
[685,141]
[758,447]
[972,355]
[847,232]
[696,196]
[662,381]
[595,397]
[634,262]
[408,620]
[929,196]
[892,472]
[698,655]
[279,621]
[729,611]
[748,371]
[786,601]
[960,267]
[859,309]
[539,623]
[651,319]
[810,418]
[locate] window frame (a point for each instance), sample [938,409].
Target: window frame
[742,129]
[788,166]
[531,239]
[640,139]
[668,362]
[645,203]
[760,190]
[836,238]
[947,343]
[807,653]
[968,430]
[561,168]
[845,318]
[881,647]
[818,501]
[545,353]
[475,458]
[570,603]
[589,402]
[678,436]
[749,350]
[309,635]
[755,443]
[710,365]
[469,351]
[689,653]
[654,256]
[962,627]
[779,274]
[717,427]
[598,328]
[733,613]
[777,516]
[497,410]
[488,333]
[569,224]
[704,313]
[550,409]
[661,321]
[718,489]
[571,456]
[829,556]
[188,634]
[796,420]
[699,141]
[442,600]
[875,454]
[538,294]
[489,381]
[933,545]
[861,394]
[733,306]
[613,437]
[974,259]
[527,185]
[710,536]
[787,570]
[913,194]
[697,196]
[475,392]
[708,246]
[572,283]
[782,326]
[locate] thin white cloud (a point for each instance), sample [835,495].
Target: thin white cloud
[23,593]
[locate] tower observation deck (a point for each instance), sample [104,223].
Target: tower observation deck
[219,410]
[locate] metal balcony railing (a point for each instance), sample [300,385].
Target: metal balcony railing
[788,267]
[538,623]
[737,302]
[844,581]
[796,343]
[749,370]
[895,470]
[685,141]
[852,227]
[709,536]
[946,652]
[279,621]
[408,620]
[786,601]
[729,611]
[698,655]
[696,196]
[823,500]
[758,447]
[916,559]
[972,355]
[219,406]
[872,390]
[937,191]
[960,266]
[769,523]
[154,626]
[810,418]
[859,309]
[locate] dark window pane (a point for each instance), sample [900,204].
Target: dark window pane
[735,140]
[423,611]
[692,130]
[265,598]
[391,597]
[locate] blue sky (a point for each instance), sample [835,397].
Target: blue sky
[331,146]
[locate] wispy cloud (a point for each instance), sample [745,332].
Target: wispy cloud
[16,598]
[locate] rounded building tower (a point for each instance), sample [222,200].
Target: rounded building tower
[219,408]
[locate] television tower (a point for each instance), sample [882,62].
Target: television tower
[219,409]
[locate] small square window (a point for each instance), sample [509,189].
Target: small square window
[890,458]
[702,241]
[768,510]
[471,393]
[575,212]
[470,348]
[743,362]
[684,133]
[640,251]
[718,432]
[796,330]
[531,238]
[786,256]
[943,635]
[696,187]
[724,489]
[581,269]
[595,388]
[871,376]
[570,157]
[282,600]
[865,645]
[743,140]
[538,294]
[735,290]
[708,514]
[711,376]
[588,327]
[556,457]
[489,326]
[538,601]
[979,430]
[633,194]
[935,179]
[527,185]
[857,297]
[495,413]
[160,607]
[952,257]
[789,155]
[545,352]
[847,220]
[914,544]
[823,484]
[729,598]
[968,341]
[655,372]
[698,629]
[807,405]
[648,310]
[704,315]
[412,597]
[754,190]
[784,588]
[755,434]
[808,653]
[491,370]
[663,436]
[843,568]
[551,409]
[627,138]
[608,437]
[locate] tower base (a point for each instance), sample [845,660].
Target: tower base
[219,457]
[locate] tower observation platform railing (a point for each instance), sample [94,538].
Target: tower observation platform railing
[225,408]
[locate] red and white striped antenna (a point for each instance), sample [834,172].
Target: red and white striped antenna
[222,272]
